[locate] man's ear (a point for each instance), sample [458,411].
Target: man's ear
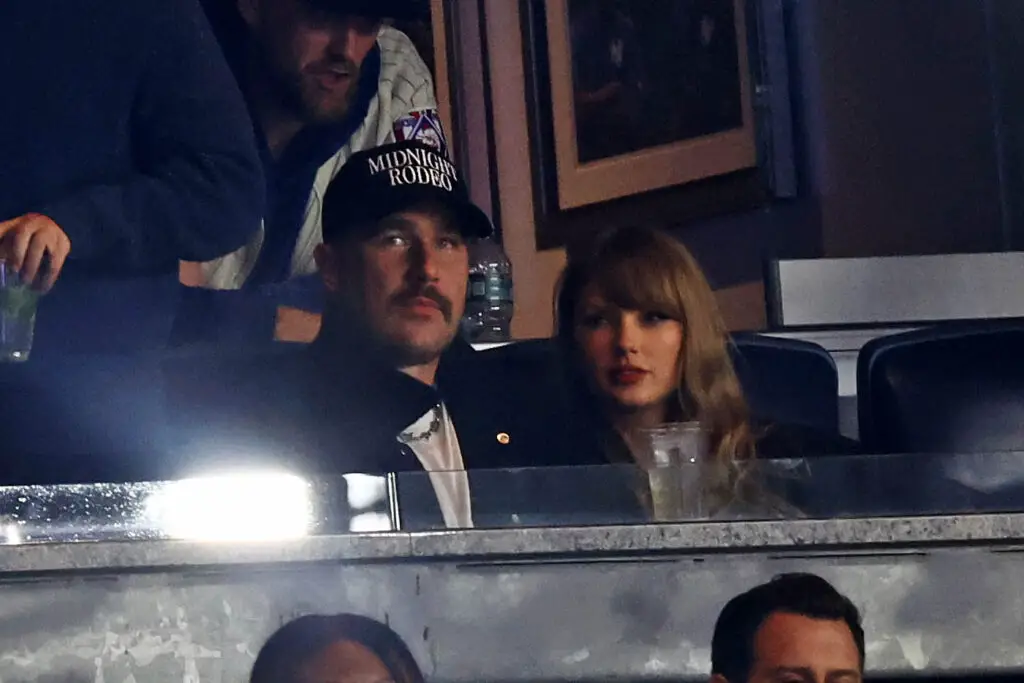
[718,678]
[328,264]
[250,11]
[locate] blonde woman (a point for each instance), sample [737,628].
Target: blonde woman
[646,346]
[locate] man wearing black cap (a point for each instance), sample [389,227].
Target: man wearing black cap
[394,257]
[387,386]
[324,79]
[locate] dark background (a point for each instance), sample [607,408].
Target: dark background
[910,138]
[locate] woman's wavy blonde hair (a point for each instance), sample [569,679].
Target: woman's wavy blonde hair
[646,270]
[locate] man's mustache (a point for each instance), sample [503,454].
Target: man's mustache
[408,296]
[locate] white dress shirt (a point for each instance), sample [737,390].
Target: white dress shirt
[441,457]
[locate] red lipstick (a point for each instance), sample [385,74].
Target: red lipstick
[627,375]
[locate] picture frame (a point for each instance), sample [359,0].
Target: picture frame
[696,174]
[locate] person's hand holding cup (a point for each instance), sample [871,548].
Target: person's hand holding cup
[35,247]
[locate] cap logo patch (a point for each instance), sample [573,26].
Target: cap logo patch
[415,167]
[424,126]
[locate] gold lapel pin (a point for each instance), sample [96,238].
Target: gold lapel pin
[503,438]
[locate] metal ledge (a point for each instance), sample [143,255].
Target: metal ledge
[565,543]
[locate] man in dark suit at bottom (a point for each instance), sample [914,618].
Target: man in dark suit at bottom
[796,627]
[388,386]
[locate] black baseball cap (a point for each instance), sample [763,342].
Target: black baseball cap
[378,182]
[377,9]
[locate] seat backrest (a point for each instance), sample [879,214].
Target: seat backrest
[81,418]
[788,381]
[212,393]
[950,388]
[785,380]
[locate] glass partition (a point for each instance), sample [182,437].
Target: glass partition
[242,506]
[270,506]
[815,488]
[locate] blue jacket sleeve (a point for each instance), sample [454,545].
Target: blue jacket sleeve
[305,293]
[241,317]
[198,190]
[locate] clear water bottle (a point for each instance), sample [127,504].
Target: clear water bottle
[488,316]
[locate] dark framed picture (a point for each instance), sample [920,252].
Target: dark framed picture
[630,97]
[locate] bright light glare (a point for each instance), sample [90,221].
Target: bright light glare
[365,491]
[12,535]
[264,506]
[369,522]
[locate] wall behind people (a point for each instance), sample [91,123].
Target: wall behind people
[909,125]
[895,149]
[1007,23]
[732,245]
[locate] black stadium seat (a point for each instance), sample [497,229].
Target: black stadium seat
[956,388]
[786,381]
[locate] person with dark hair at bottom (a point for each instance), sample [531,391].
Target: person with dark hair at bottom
[796,627]
[388,385]
[342,648]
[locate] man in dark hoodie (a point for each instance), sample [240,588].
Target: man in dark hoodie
[125,146]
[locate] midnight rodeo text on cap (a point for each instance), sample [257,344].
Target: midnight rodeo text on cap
[415,167]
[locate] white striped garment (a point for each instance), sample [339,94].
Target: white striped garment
[405,91]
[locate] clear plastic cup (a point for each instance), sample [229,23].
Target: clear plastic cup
[17,315]
[678,455]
